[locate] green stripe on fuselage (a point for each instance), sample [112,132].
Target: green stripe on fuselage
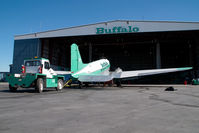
[98,72]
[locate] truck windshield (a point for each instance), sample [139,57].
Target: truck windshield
[32,63]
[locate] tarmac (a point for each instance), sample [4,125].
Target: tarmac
[131,109]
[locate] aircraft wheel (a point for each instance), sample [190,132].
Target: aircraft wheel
[118,83]
[12,89]
[60,85]
[80,85]
[39,85]
[86,84]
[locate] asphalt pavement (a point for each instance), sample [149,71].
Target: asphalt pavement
[131,109]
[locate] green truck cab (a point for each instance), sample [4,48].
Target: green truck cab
[36,72]
[195,81]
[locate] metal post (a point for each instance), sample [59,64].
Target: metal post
[39,48]
[90,52]
[190,54]
[158,56]
[196,61]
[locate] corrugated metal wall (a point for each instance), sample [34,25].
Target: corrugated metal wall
[57,50]
[24,49]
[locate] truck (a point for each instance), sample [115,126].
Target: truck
[35,73]
[195,81]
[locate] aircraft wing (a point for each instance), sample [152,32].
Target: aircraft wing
[128,74]
[118,74]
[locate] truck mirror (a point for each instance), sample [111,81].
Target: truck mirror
[42,66]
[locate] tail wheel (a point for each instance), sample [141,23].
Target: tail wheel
[80,84]
[60,85]
[12,89]
[39,85]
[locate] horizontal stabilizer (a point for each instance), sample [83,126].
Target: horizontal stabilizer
[126,74]
[62,72]
[95,78]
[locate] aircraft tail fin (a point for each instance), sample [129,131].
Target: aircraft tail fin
[76,60]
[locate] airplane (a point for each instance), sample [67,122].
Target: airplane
[99,71]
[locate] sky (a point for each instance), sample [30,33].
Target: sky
[19,17]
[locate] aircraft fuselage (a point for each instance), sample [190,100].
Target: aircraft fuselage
[93,68]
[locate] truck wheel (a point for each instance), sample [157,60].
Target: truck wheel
[39,85]
[60,85]
[12,89]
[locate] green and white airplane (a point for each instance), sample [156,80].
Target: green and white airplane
[98,71]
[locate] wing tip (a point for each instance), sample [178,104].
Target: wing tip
[184,68]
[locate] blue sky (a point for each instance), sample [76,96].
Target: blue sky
[29,16]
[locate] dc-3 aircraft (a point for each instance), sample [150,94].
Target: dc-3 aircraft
[98,71]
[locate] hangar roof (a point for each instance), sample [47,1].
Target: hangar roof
[114,27]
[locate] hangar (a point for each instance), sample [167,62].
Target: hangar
[130,45]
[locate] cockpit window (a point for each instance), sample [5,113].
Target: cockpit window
[32,63]
[46,65]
